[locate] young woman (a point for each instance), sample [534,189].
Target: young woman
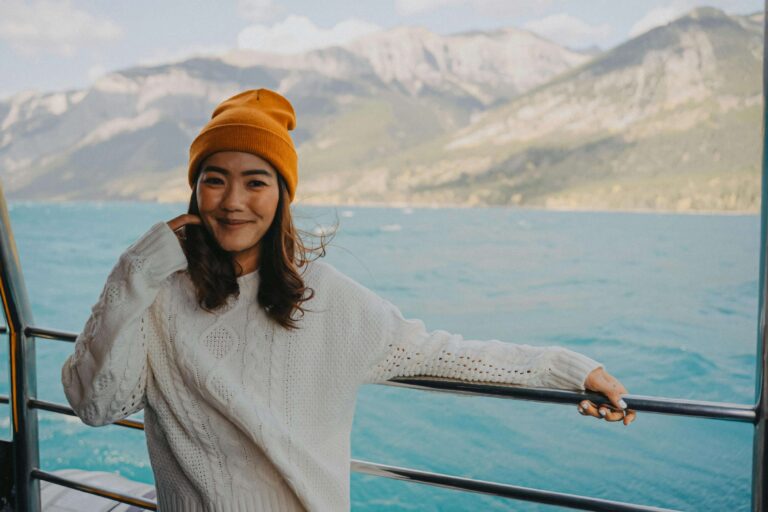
[246,355]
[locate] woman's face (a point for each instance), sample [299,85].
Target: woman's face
[237,195]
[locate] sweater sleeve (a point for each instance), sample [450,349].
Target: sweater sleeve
[393,346]
[104,380]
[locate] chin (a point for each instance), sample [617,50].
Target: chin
[236,244]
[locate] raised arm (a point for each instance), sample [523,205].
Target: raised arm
[393,346]
[105,378]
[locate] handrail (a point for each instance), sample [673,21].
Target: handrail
[50,334]
[65,409]
[670,406]
[502,490]
[93,489]
[662,405]
[711,410]
[411,475]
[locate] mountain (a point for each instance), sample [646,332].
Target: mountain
[128,135]
[668,120]
[483,65]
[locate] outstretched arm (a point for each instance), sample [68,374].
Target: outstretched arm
[403,347]
[105,378]
[392,346]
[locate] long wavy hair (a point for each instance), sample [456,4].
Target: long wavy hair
[282,252]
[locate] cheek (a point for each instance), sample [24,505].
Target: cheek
[207,200]
[206,206]
[267,203]
[272,205]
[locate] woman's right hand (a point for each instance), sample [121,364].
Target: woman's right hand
[182,220]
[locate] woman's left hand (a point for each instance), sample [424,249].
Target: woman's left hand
[603,382]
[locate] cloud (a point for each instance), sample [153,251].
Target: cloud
[298,34]
[660,16]
[411,7]
[95,72]
[166,56]
[569,30]
[491,8]
[5,95]
[52,26]
[259,10]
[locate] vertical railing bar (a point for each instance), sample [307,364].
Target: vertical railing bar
[759,471]
[18,315]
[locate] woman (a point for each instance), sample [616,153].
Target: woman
[246,355]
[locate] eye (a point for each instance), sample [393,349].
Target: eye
[259,183]
[211,180]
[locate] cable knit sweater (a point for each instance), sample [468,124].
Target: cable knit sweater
[244,415]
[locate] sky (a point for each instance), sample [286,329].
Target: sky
[56,45]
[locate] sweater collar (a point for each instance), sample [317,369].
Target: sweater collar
[249,278]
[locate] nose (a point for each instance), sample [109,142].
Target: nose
[233,198]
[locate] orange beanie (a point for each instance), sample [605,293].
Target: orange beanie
[254,121]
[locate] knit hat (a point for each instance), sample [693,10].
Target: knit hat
[255,121]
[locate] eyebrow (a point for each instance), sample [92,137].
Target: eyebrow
[249,172]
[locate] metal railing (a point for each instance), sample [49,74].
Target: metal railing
[679,407]
[701,409]
[26,473]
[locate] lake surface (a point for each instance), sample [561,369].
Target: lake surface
[667,302]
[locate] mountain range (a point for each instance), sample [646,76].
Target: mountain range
[668,120]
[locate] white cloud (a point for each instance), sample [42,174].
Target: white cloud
[52,26]
[661,16]
[259,10]
[95,72]
[569,30]
[411,7]
[298,34]
[167,56]
[493,8]
[5,95]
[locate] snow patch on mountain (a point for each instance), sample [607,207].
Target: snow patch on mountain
[113,127]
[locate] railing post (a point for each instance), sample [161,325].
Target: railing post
[18,315]
[759,460]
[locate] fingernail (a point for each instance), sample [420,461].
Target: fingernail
[622,403]
[602,412]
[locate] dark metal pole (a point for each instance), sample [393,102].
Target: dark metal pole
[18,315]
[759,472]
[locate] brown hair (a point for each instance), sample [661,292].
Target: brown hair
[282,253]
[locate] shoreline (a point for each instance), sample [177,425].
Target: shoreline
[415,206]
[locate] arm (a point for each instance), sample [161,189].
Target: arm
[105,378]
[394,346]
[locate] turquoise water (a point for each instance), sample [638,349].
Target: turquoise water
[667,302]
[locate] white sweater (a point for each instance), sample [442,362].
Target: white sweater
[244,415]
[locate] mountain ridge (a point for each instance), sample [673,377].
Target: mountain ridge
[404,117]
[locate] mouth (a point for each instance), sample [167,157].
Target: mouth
[232,223]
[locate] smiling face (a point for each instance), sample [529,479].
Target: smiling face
[237,195]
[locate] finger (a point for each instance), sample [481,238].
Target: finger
[616,400]
[183,219]
[609,413]
[630,417]
[188,218]
[589,409]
